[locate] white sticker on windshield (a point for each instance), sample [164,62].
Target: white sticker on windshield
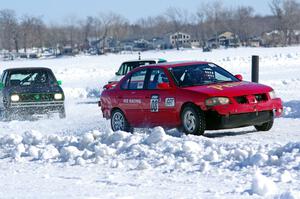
[140,85]
[212,65]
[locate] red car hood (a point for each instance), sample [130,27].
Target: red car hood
[231,89]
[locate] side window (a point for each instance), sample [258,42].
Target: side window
[136,81]
[124,85]
[221,77]
[124,69]
[157,76]
[127,68]
[4,77]
[41,77]
[51,78]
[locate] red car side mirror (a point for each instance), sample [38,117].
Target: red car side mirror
[110,85]
[163,85]
[240,77]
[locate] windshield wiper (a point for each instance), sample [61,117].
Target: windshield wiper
[223,81]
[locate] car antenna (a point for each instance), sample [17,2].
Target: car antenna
[139,55]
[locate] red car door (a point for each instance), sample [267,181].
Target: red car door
[159,103]
[131,96]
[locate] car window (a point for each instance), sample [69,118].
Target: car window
[157,76]
[129,66]
[3,77]
[51,78]
[27,78]
[135,81]
[201,74]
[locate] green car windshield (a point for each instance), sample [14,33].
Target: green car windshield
[27,78]
[129,66]
[201,74]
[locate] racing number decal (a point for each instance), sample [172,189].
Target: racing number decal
[170,102]
[154,103]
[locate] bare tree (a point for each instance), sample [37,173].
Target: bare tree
[209,21]
[119,27]
[9,30]
[287,14]
[242,22]
[71,29]
[87,27]
[32,30]
[177,17]
[108,26]
[26,30]
[200,23]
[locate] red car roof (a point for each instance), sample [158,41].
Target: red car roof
[177,64]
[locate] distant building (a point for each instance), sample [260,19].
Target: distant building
[195,43]
[180,39]
[226,39]
[254,42]
[67,50]
[161,42]
[142,45]
[229,39]
[273,38]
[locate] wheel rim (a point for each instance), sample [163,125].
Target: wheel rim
[189,121]
[118,121]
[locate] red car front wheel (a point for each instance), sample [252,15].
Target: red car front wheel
[265,126]
[193,120]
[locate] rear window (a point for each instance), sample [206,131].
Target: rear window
[135,81]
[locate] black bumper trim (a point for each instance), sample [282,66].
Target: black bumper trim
[36,104]
[215,121]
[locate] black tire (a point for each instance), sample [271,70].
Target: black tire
[265,126]
[62,113]
[193,120]
[119,122]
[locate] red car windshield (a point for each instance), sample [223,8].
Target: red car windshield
[201,74]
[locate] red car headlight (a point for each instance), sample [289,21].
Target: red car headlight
[213,101]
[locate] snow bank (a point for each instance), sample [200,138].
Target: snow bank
[158,150]
[288,195]
[151,150]
[262,185]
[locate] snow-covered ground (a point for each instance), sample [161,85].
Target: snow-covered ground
[80,157]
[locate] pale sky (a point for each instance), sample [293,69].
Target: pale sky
[57,10]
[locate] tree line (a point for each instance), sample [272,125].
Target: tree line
[209,20]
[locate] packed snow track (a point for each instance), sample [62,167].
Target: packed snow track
[81,157]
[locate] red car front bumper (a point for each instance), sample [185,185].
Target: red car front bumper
[240,115]
[274,105]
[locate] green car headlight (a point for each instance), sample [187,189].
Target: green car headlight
[213,101]
[58,96]
[15,98]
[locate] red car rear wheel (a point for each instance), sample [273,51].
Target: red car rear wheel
[119,121]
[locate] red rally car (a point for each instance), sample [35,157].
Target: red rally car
[192,96]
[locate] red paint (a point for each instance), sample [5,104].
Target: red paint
[139,114]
